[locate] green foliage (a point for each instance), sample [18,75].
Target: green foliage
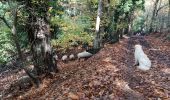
[55,8]
[125,10]
[138,23]
[4,7]
[113,3]
[122,25]
[64,40]
[72,30]
[6,44]
[127,6]
[67,28]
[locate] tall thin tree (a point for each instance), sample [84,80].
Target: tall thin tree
[153,15]
[97,40]
[169,18]
[13,29]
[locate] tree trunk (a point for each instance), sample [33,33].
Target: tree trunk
[39,38]
[162,23]
[130,29]
[130,22]
[15,38]
[97,40]
[169,18]
[121,34]
[153,16]
[14,34]
[41,47]
[145,24]
[109,36]
[108,9]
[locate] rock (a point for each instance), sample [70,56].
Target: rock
[84,54]
[55,57]
[92,50]
[64,58]
[22,83]
[72,57]
[125,36]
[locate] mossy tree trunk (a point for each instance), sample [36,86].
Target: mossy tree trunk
[39,37]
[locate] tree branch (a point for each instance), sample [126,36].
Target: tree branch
[5,21]
[160,9]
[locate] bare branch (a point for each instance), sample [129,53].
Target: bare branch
[160,9]
[5,21]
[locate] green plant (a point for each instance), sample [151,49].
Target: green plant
[72,29]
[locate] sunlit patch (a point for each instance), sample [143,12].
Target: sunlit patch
[111,66]
[30,67]
[108,63]
[166,70]
[108,59]
[122,85]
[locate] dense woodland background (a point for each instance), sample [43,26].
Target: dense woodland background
[34,32]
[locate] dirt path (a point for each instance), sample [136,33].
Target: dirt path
[110,75]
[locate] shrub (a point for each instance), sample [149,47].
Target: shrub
[72,30]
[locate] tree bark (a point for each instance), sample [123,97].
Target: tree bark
[5,21]
[15,38]
[162,23]
[41,47]
[89,6]
[153,16]
[97,40]
[169,18]
[40,36]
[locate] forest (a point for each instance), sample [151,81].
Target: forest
[84,49]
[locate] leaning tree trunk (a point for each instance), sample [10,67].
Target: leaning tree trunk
[153,16]
[15,38]
[97,40]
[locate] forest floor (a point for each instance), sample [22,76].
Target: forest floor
[108,75]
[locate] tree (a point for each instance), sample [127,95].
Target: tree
[153,15]
[97,40]
[39,36]
[169,18]
[35,19]
[14,12]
